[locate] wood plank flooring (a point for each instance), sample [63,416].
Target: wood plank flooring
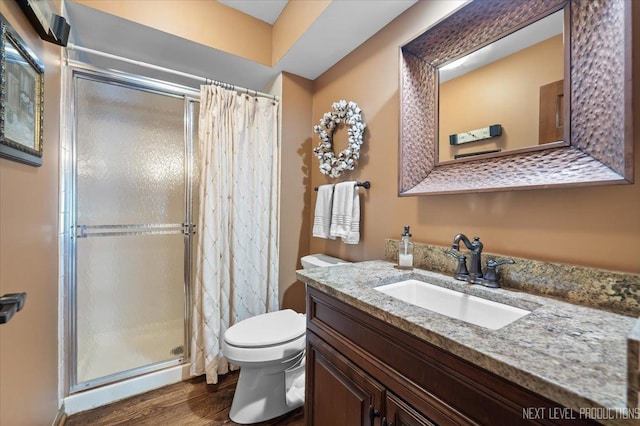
[192,402]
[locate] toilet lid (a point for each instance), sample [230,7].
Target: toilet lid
[267,329]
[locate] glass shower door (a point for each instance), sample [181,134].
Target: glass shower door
[132,230]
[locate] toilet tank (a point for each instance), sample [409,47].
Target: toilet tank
[320,261]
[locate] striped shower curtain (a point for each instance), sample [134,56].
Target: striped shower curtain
[237,232]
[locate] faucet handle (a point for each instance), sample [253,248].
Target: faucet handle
[462,273]
[492,263]
[491,275]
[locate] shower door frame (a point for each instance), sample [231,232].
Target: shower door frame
[73,71]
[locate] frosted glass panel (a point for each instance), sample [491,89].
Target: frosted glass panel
[130,302]
[130,170]
[130,155]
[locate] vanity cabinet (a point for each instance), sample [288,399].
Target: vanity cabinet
[343,393]
[364,371]
[346,395]
[398,413]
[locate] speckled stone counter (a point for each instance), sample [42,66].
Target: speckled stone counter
[613,291]
[571,354]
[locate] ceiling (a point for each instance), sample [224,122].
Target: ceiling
[265,10]
[343,25]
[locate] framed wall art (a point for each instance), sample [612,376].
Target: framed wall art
[21,99]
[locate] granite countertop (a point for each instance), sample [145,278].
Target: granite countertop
[571,354]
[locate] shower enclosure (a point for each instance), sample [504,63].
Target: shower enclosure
[129,224]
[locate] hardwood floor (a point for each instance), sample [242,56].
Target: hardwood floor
[188,403]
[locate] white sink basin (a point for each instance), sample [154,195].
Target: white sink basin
[465,307]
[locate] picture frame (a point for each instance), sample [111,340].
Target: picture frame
[21,99]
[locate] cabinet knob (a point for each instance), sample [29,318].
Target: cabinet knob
[373,413]
[385,422]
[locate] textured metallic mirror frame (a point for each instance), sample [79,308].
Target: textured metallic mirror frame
[598,68]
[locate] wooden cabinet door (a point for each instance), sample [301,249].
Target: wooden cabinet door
[338,392]
[398,413]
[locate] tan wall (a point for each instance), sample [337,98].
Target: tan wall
[206,22]
[505,92]
[295,19]
[596,226]
[28,258]
[295,194]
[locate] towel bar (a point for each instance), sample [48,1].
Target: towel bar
[10,304]
[366,185]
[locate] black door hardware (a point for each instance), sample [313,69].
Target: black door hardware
[10,304]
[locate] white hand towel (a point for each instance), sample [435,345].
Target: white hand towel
[353,237]
[345,214]
[322,215]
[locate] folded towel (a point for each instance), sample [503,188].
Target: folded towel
[322,216]
[353,237]
[345,213]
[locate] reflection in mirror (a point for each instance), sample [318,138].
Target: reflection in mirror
[514,84]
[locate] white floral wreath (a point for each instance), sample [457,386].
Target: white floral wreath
[343,112]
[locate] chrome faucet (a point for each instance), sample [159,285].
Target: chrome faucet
[474,274]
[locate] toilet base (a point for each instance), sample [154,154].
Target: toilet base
[260,394]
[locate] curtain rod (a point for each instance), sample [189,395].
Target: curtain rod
[229,86]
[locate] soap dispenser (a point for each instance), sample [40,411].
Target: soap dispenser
[405,250]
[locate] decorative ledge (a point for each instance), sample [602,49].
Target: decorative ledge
[617,292]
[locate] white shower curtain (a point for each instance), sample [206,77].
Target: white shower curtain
[237,247]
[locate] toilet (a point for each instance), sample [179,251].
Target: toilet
[269,349]
[320,261]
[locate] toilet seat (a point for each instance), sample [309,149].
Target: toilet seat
[283,352]
[265,338]
[272,328]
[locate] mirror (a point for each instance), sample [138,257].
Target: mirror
[514,84]
[592,102]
